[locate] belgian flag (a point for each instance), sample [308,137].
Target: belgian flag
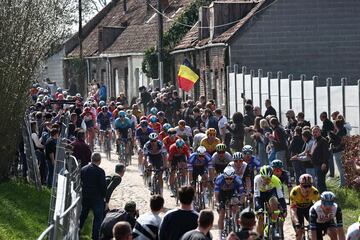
[186,76]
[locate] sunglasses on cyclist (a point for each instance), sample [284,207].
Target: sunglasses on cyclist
[238,160]
[229,178]
[221,152]
[211,135]
[306,186]
[153,140]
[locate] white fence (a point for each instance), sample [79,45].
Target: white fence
[301,95]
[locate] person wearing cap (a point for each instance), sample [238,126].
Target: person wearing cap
[322,218]
[113,181]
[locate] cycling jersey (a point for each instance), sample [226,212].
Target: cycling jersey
[195,162]
[104,120]
[133,121]
[253,167]
[155,155]
[162,135]
[143,136]
[273,188]
[353,232]
[239,170]
[123,127]
[220,162]
[186,132]
[285,178]
[156,126]
[297,200]
[168,141]
[210,147]
[317,216]
[222,186]
[176,152]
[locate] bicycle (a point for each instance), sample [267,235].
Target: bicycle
[155,181]
[106,143]
[180,180]
[199,198]
[273,228]
[121,151]
[231,216]
[306,235]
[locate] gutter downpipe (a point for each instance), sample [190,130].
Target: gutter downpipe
[108,63]
[88,70]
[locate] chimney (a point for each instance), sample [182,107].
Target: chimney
[124,6]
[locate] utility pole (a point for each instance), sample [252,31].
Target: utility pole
[160,44]
[81,68]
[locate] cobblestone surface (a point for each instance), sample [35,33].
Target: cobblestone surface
[132,188]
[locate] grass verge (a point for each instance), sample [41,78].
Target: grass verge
[24,211]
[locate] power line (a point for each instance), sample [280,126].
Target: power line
[216,26]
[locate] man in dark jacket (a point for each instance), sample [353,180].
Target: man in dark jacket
[93,193]
[319,158]
[328,126]
[269,109]
[145,98]
[81,150]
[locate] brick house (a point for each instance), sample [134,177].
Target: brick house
[312,37]
[115,41]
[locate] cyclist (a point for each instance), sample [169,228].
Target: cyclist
[104,119]
[134,123]
[221,158]
[266,185]
[170,139]
[177,159]
[199,164]
[184,131]
[253,164]
[283,175]
[302,197]
[164,132]
[161,117]
[89,119]
[353,231]
[122,127]
[227,185]
[142,136]
[155,154]
[153,112]
[240,167]
[155,125]
[99,108]
[210,141]
[322,218]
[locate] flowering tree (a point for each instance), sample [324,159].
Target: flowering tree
[28,30]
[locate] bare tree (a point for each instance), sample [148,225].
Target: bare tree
[28,29]
[91,7]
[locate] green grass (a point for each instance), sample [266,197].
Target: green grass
[24,211]
[348,200]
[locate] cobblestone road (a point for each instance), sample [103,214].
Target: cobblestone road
[132,188]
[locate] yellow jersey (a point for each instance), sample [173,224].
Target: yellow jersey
[210,147]
[297,200]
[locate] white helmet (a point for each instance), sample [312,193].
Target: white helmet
[229,171]
[201,150]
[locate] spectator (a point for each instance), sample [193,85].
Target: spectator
[301,122]
[347,125]
[319,158]
[260,145]
[93,193]
[50,151]
[170,227]
[295,148]
[113,181]
[145,98]
[198,136]
[279,142]
[225,135]
[237,132]
[202,232]
[102,92]
[247,223]
[249,119]
[147,225]
[197,117]
[81,150]
[269,109]
[292,122]
[337,147]
[257,112]
[122,231]
[39,152]
[210,120]
[327,125]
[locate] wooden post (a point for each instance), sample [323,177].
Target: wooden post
[315,80]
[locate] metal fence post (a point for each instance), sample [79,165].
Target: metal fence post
[343,83]
[236,70]
[328,84]
[359,103]
[302,79]
[315,80]
[260,75]
[269,76]
[243,69]
[252,73]
[55,231]
[228,69]
[279,76]
[291,78]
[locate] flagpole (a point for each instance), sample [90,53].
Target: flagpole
[160,44]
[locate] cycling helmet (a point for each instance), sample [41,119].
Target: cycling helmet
[180,143]
[327,198]
[69,97]
[78,95]
[153,119]
[211,131]
[306,179]
[59,90]
[112,103]
[143,123]
[64,92]
[171,131]
[277,164]
[220,147]
[143,118]
[247,149]
[87,109]
[201,150]
[104,108]
[161,114]
[266,171]
[129,112]
[237,156]
[102,103]
[166,127]
[45,91]
[229,172]
[153,110]
[181,122]
[153,136]
[122,114]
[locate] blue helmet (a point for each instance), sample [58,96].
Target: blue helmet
[180,143]
[153,110]
[327,198]
[102,103]
[277,164]
[122,114]
[153,119]
[166,127]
